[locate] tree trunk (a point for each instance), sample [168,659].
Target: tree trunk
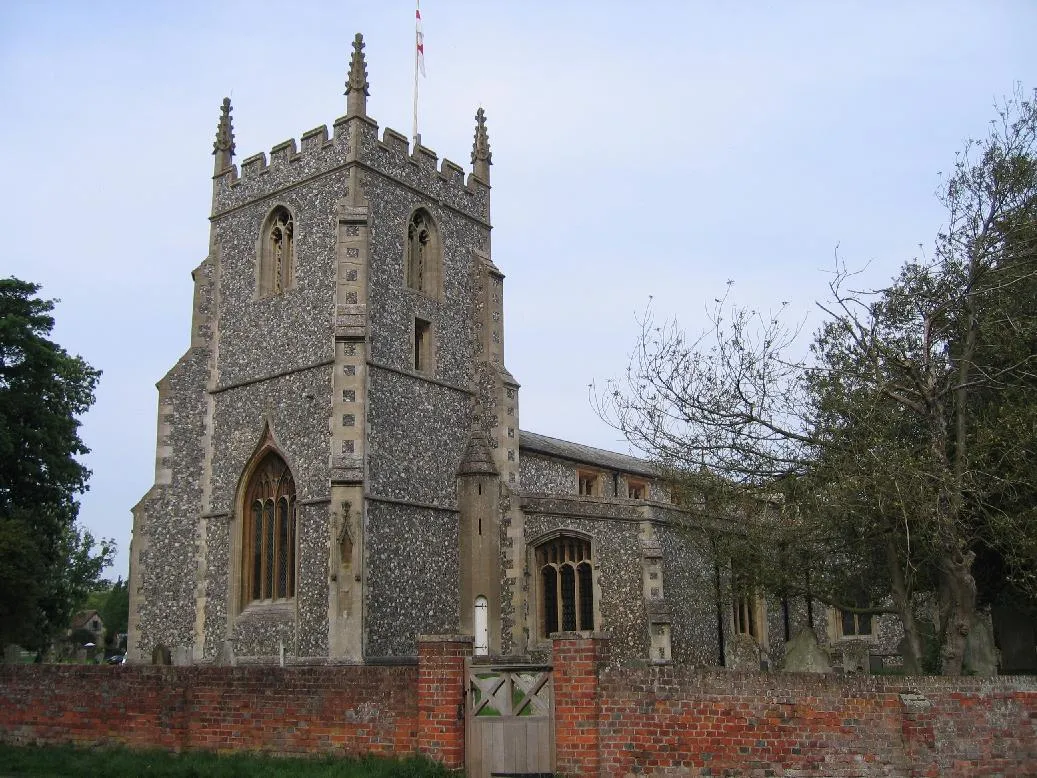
[902,601]
[958,605]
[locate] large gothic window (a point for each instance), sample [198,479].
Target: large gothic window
[270,529]
[422,253]
[565,572]
[277,253]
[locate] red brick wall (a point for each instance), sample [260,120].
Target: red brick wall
[576,662]
[608,720]
[346,709]
[656,720]
[441,688]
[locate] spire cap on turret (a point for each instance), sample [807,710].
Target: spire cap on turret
[357,86]
[477,459]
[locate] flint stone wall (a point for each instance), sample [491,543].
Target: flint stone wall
[415,588]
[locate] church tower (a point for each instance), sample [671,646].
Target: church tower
[335,448]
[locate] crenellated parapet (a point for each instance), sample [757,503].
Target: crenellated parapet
[353,139]
[421,169]
[289,163]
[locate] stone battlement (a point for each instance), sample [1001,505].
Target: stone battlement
[354,139]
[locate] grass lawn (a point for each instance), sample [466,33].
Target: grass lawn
[117,762]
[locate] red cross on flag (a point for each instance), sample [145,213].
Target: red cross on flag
[420,39]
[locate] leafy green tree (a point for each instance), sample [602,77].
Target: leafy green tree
[904,444]
[115,611]
[47,563]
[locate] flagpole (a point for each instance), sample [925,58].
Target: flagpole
[417,139]
[417,51]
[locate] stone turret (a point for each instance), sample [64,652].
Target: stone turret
[357,87]
[478,502]
[481,156]
[223,148]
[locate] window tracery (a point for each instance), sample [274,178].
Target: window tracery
[566,574]
[269,533]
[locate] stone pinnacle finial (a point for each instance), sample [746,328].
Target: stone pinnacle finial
[481,156]
[223,148]
[357,88]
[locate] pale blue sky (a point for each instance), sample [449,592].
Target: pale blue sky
[649,148]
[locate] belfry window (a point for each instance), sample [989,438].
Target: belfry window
[277,253]
[422,253]
[566,585]
[269,533]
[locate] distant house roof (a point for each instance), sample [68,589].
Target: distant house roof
[589,455]
[81,619]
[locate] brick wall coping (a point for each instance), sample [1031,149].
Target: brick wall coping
[682,680]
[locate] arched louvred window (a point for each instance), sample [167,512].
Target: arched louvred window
[566,585]
[422,253]
[277,253]
[270,533]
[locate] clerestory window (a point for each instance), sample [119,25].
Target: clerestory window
[269,533]
[565,571]
[588,483]
[277,253]
[637,490]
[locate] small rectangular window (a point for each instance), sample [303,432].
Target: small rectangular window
[422,345]
[637,490]
[749,616]
[587,483]
[855,624]
[745,616]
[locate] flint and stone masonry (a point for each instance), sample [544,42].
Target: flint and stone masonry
[340,467]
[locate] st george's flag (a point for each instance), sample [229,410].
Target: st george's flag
[420,39]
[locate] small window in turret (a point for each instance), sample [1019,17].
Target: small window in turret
[276,270]
[422,254]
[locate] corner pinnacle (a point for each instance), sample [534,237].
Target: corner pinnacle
[223,148]
[481,156]
[357,87]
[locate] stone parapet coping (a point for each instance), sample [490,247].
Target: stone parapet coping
[580,636]
[446,639]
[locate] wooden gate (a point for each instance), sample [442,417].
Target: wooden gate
[509,722]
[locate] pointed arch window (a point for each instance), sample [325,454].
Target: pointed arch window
[422,254]
[565,577]
[277,253]
[269,533]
